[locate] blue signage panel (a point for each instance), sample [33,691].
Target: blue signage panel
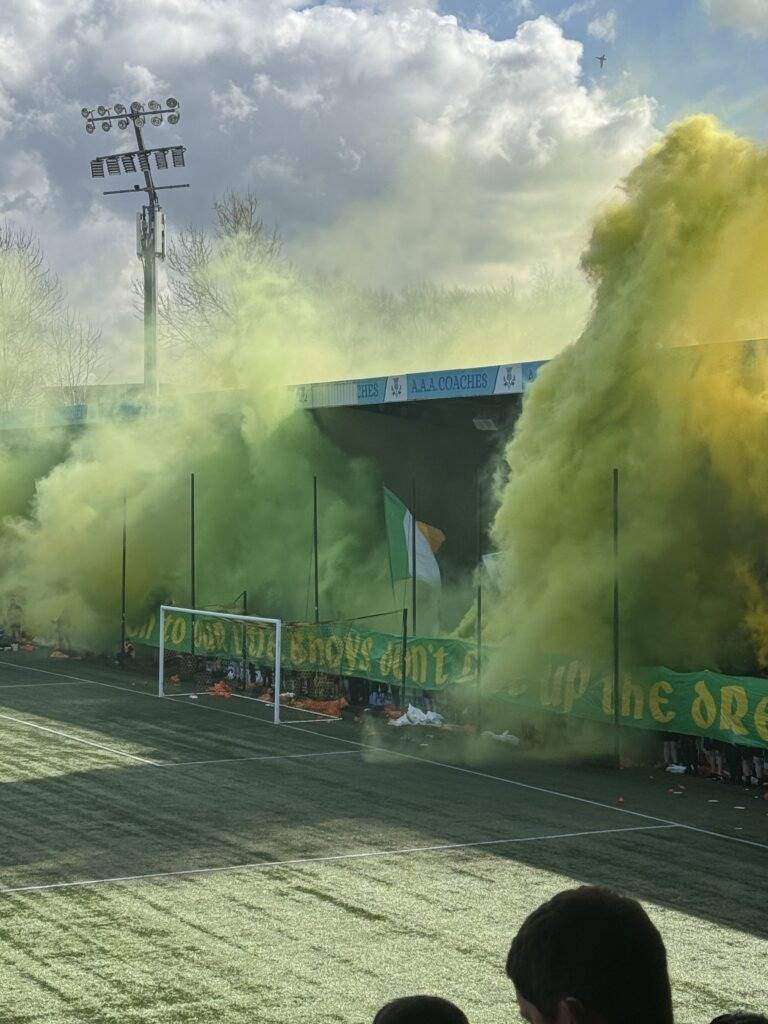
[505,379]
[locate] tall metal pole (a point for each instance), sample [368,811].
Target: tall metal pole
[315,548]
[122,587]
[403,657]
[616,664]
[479,613]
[245,639]
[192,553]
[151,244]
[413,557]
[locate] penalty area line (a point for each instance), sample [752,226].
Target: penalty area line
[258,757]
[265,865]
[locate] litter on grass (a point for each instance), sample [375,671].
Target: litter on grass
[502,737]
[415,716]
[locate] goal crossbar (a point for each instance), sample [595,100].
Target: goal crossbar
[203,613]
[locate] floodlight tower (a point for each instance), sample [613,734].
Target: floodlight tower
[150,223]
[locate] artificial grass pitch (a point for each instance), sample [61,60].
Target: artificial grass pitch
[372,874]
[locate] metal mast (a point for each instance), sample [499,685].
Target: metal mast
[150,222]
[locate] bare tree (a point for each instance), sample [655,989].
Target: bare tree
[199,299]
[42,342]
[76,357]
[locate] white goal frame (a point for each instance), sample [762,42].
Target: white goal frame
[202,613]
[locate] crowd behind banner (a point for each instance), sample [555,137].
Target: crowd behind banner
[730,709]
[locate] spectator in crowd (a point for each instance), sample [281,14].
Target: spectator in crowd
[740,1018]
[420,1010]
[592,956]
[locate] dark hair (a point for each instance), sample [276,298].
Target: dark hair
[740,1018]
[420,1010]
[596,946]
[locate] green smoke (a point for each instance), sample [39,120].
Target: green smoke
[678,261]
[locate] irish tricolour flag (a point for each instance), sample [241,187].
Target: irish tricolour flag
[400,535]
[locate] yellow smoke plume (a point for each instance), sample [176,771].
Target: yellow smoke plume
[659,387]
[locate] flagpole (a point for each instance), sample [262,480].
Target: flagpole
[413,557]
[479,613]
[192,555]
[314,543]
[122,586]
[616,663]
[403,651]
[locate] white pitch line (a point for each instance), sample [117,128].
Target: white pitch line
[22,686]
[258,757]
[78,739]
[264,865]
[423,760]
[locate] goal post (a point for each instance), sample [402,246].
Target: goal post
[191,644]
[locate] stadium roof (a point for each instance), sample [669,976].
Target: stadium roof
[468,382]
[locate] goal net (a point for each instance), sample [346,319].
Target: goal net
[211,655]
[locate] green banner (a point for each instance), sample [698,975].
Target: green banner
[733,709]
[729,708]
[335,648]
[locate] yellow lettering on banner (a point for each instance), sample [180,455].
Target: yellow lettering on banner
[317,650]
[655,702]
[552,688]
[440,676]
[703,709]
[576,682]
[470,664]
[351,647]
[178,631]
[146,633]
[366,650]
[334,649]
[761,719]
[607,695]
[734,705]
[385,661]
[298,652]
[632,698]
[256,637]
[219,634]
[416,663]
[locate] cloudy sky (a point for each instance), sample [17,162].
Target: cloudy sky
[395,139]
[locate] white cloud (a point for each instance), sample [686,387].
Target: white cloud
[580,7]
[604,27]
[382,135]
[749,16]
[523,8]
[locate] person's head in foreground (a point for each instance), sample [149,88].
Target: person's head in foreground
[420,1010]
[740,1018]
[590,956]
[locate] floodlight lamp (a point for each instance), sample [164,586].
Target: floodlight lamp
[85,112]
[123,123]
[161,159]
[119,108]
[171,103]
[177,155]
[135,107]
[153,105]
[173,119]
[140,120]
[156,119]
[105,126]
[97,168]
[129,164]
[90,127]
